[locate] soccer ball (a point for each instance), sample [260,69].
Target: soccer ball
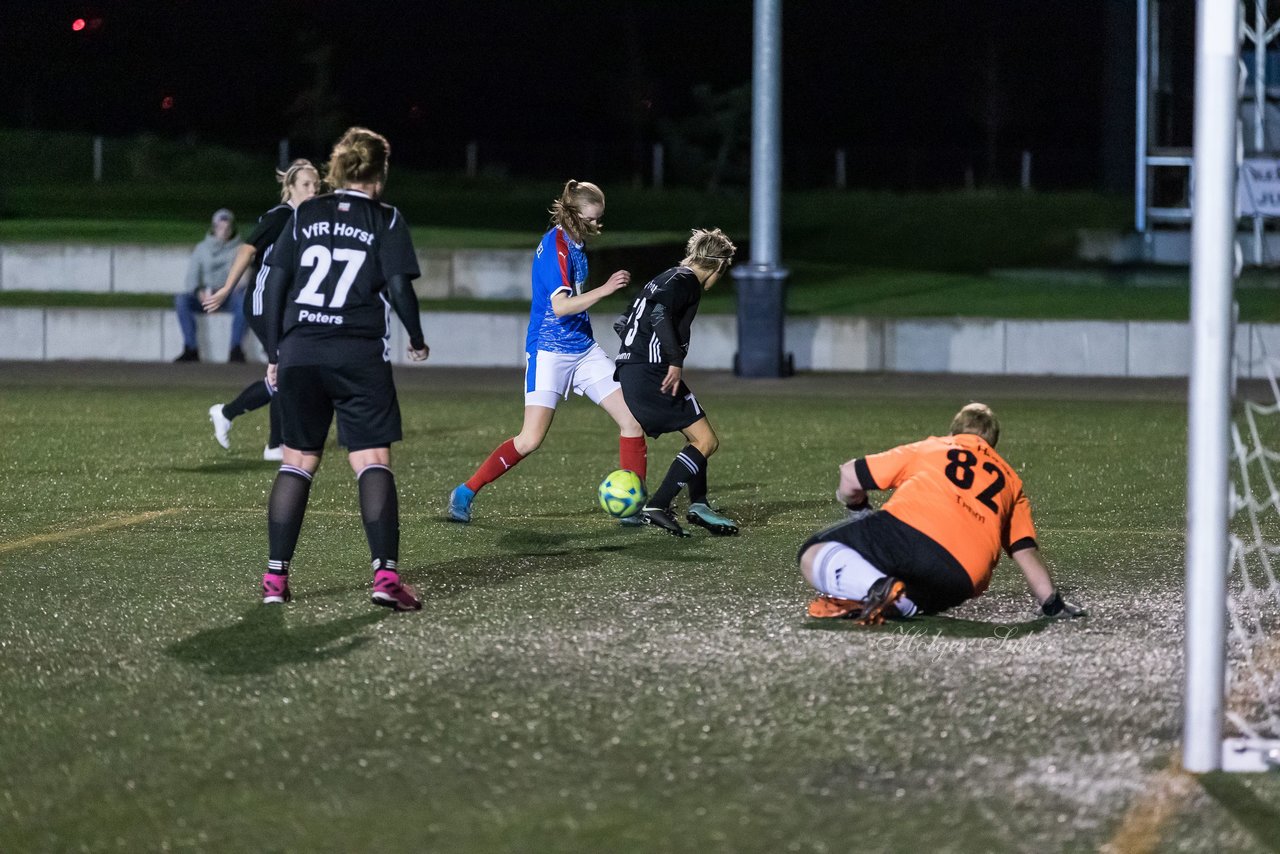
[622,494]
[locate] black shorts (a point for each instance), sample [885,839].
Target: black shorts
[363,394]
[656,411]
[934,579]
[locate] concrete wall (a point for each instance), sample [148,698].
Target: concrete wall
[126,268]
[977,346]
[490,274]
[1167,245]
[55,267]
[146,269]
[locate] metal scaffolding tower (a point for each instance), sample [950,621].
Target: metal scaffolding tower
[1165,178]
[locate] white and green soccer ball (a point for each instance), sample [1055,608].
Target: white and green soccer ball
[622,494]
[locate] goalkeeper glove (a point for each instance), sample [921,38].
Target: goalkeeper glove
[857,509]
[1057,607]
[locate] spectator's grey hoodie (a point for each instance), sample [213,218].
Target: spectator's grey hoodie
[210,262]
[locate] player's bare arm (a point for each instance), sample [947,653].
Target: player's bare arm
[244,257]
[563,304]
[1041,583]
[671,382]
[850,491]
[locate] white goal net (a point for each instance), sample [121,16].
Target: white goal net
[1252,706]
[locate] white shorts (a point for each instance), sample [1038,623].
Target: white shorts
[550,376]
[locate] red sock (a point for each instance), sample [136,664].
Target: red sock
[633,454]
[504,457]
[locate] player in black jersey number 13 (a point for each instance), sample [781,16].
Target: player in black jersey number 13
[340,265]
[655,340]
[298,183]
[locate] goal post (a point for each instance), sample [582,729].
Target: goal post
[1213,241]
[1222,567]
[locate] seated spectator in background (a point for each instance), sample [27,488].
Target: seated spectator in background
[206,272]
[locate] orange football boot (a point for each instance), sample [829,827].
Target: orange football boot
[834,608]
[879,602]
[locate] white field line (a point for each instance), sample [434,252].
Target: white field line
[107,525]
[1140,830]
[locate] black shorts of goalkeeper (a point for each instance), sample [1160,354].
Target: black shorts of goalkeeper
[934,579]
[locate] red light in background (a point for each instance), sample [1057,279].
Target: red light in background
[78,24]
[166,103]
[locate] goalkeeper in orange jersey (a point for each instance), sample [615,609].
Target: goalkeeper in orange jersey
[956,505]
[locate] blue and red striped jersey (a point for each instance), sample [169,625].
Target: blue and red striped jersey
[559,264]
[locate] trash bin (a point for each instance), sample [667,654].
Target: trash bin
[762,310]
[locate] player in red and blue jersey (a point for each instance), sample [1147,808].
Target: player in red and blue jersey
[560,353]
[559,267]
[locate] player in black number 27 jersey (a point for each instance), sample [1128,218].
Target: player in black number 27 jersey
[339,267]
[650,367]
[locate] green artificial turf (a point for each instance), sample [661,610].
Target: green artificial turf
[571,685]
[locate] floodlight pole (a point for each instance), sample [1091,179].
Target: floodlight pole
[1213,255]
[761,284]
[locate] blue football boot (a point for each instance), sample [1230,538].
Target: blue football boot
[460,504]
[702,515]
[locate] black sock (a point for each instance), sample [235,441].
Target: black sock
[274,438]
[684,468]
[253,396]
[380,510]
[285,509]
[698,484]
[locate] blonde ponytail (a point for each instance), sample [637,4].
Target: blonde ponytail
[359,157]
[566,211]
[709,250]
